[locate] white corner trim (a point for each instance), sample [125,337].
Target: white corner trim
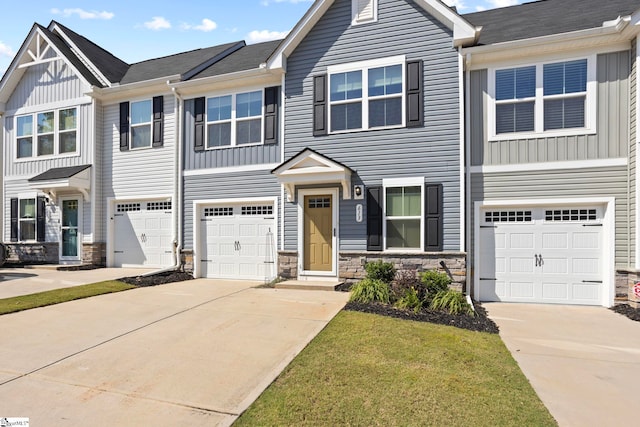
[463,157]
[230,169]
[637,142]
[547,166]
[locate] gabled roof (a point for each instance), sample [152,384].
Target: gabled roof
[546,17]
[112,67]
[247,58]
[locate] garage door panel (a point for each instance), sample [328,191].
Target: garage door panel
[555,241]
[521,290]
[555,266]
[521,241]
[586,240]
[521,265]
[555,291]
[587,266]
[587,293]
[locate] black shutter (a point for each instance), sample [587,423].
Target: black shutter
[271,97]
[124,126]
[14,220]
[320,105]
[374,218]
[158,117]
[41,219]
[415,96]
[433,218]
[198,112]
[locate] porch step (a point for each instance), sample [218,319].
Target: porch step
[308,285]
[61,267]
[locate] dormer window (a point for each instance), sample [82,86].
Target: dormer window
[364,11]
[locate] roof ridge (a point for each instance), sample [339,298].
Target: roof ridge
[186,51]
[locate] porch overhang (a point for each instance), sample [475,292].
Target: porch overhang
[72,178]
[310,168]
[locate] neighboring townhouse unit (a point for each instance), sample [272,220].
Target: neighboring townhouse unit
[551,131]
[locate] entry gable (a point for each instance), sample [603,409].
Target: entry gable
[309,167]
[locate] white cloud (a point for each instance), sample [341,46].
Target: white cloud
[480,8]
[459,4]
[158,23]
[268,2]
[265,36]
[5,50]
[83,14]
[206,26]
[503,3]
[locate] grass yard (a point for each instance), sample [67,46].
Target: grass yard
[57,296]
[370,370]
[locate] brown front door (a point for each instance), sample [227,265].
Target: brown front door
[318,232]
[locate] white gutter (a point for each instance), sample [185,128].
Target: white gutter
[254,72]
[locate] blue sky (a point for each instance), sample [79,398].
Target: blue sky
[136,30]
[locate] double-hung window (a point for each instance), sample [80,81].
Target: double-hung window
[555,98]
[367,95]
[403,214]
[46,134]
[27,219]
[234,119]
[141,118]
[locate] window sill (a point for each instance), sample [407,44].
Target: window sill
[539,135]
[227,147]
[342,132]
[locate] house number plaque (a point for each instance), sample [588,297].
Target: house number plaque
[359,212]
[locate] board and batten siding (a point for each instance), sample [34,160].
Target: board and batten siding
[140,172]
[222,157]
[431,151]
[633,152]
[610,141]
[236,185]
[47,83]
[560,185]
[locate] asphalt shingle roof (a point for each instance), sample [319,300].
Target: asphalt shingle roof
[247,58]
[546,17]
[59,173]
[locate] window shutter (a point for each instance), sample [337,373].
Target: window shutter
[41,218]
[124,126]
[158,118]
[271,98]
[415,96]
[14,220]
[199,124]
[433,218]
[320,105]
[374,219]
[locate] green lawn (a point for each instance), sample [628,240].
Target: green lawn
[370,370]
[56,296]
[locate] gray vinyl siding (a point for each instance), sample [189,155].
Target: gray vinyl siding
[46,83]
[612,123]
[431,151]
[223,157]
[226,186]
[138,173]
[561,185]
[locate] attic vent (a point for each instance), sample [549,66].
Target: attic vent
[364,11]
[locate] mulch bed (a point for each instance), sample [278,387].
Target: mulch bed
[627,310]
[158,279]
[480,322]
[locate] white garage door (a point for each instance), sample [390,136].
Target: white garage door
[143,234]
[237,241]
[541,255]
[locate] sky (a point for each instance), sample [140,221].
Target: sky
[137,30]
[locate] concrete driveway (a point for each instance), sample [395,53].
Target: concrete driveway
[582,361]
[189,353]
[23,281]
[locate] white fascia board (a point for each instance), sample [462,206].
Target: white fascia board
[463,31]
[116,92]
[239,79]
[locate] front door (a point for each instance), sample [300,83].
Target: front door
[70,230]
[318,233]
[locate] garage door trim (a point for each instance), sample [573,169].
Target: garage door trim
[608,222]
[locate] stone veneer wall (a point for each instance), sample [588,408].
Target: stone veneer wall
[288,264]
[186,258]
[625,283]
[94,253]
[32,253]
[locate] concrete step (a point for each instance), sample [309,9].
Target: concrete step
[62,267]
[308,285]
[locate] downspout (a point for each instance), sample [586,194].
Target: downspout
[177,189]
[467,195]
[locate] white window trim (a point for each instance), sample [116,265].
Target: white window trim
[234,120]
[402,182]
[354,13]
[364,66]
[34,136]
[590,113]
[26,196]
[149,123]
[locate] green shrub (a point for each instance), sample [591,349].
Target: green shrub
[404,281]
[435,282]
[452,301]
[370,290]
[409,301]
[379,270]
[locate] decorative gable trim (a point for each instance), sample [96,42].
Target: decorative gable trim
[309,167]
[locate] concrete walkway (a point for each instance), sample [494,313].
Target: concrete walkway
[23,281]
[582,361]
[189,353]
